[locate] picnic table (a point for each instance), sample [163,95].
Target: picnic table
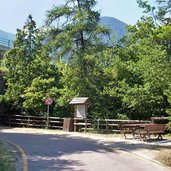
[129,128]
[142,129]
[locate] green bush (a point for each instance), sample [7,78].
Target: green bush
[122,116]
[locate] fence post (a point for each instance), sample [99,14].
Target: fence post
[49,122]
[98,124]
[85,129]
[9,119]
[106,124]
[75,125]
[28,121]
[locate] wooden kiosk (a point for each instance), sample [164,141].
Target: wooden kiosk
[81,105]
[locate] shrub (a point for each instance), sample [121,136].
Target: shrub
[122,116]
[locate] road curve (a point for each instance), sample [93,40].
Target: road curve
[21,156]
[65,153]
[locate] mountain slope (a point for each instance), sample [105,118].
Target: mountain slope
[117,27]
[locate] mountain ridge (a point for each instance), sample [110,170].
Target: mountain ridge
[116,26]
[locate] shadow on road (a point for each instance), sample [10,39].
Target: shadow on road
[63,152]
[47,152]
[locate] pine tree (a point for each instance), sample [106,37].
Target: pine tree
[76,37]
[27,63]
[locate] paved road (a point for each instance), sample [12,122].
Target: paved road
[64,153]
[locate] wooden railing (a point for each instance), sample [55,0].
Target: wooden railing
[32,121]
[101,125]
[83,124]
[78,124]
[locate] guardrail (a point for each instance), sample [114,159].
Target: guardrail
[6,42]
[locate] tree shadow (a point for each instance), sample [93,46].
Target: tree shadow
[54,152]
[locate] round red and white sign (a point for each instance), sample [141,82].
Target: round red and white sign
[48,101]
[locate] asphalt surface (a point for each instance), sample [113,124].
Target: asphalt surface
[62,152]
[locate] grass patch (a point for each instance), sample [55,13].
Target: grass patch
[8,158]
[164,157]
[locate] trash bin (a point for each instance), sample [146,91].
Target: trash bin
[68,124]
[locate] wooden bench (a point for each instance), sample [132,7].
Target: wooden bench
[152,129]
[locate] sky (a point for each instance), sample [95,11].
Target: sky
[14,13]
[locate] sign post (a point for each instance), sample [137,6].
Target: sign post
[48,102]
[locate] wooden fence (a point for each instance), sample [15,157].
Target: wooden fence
[31,121]
[101,125]
[78,124]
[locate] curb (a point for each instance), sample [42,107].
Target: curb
[136,154]
[141,156]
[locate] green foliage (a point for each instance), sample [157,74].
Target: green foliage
[35,95]
[2,85]
[77,38]
[160,14]
[19,61]
[161,35]
[29,66]
[77,30]
[6,107]
[168,94]
[127,81]
[160,11]
[137,77]
[122,116]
